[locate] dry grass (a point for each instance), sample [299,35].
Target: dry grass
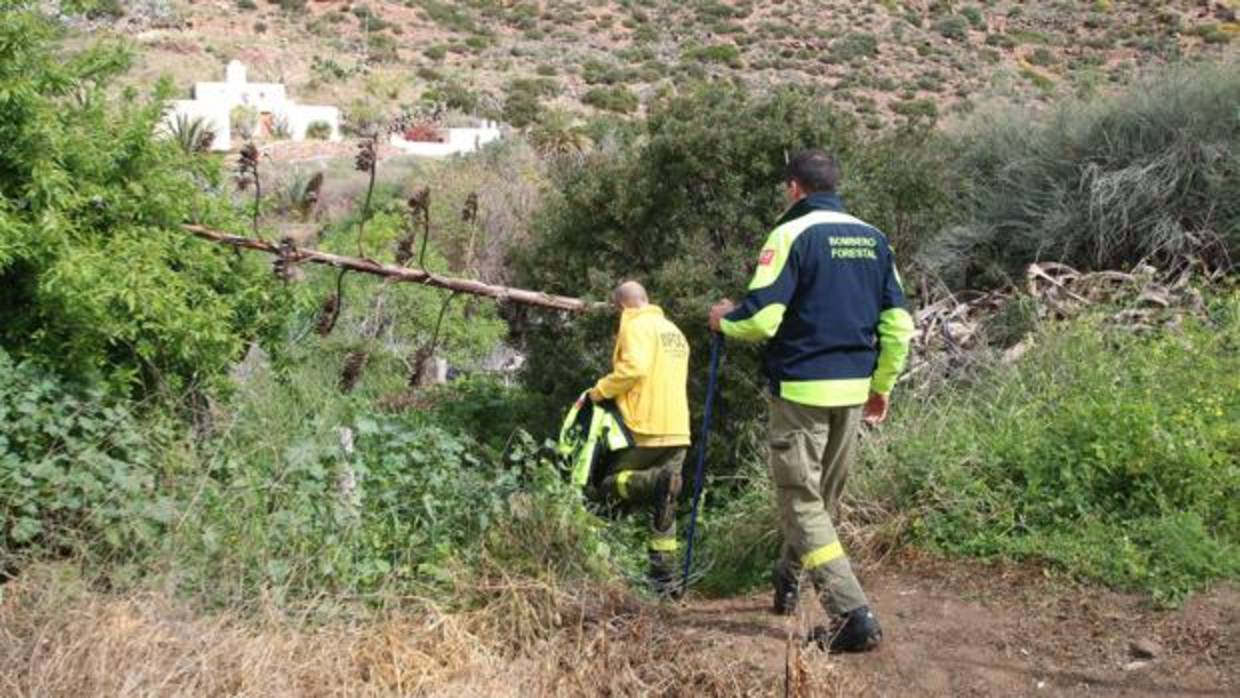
[58,638]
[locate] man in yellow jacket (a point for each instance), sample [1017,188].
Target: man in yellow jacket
[650,369]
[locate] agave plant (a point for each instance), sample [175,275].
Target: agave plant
[192,133]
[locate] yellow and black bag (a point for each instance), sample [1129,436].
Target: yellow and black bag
[590,433]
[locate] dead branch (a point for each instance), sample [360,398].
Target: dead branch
[404,274]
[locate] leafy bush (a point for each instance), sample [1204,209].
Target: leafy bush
[77,468]
[1100,184]
[1114,455]
[727,54]
[286,502]
[952,27]
[522,108]
[683,207]
[854,45]
[618,99]
[318,130]
[94,263]
[243,121]
[975,16]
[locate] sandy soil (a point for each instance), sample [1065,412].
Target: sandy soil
[969,630]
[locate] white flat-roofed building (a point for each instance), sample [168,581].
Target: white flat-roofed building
[214,102]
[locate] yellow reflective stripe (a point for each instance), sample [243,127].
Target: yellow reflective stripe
[895,331]
[622,483]
[823,555]
[664,545]
[616,439]
[839,392]
[780,241]
[757,327]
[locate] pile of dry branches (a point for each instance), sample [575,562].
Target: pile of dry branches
[951,328]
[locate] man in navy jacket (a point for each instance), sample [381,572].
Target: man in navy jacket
[827,300]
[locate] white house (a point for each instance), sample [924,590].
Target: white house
[456,141]
[215,101]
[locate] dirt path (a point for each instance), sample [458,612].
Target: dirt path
[966,630]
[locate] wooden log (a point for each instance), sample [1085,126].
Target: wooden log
[405,274]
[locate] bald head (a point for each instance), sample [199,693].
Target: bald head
[630,294]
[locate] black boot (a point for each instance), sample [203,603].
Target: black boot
[787,592]
[662,576]
[855,631]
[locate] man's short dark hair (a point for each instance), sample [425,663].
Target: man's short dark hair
[814,170]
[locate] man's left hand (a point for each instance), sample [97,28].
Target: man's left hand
[718,310]
[875,410]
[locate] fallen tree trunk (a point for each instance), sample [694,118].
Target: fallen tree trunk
[405,274]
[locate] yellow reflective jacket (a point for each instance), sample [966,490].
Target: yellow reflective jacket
[649,378]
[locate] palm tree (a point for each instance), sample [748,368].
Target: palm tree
[557,136]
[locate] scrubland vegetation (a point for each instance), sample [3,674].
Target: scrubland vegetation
[190,447]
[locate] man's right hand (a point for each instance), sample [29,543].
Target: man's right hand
[875,410]
[717,311]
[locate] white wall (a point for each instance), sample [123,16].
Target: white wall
[460,141]
[262,96]
[300,116]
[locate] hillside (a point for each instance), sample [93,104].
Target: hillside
[885,61]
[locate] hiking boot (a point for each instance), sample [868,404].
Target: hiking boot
[787,592]
[662,577]
[666,489]
[855,631]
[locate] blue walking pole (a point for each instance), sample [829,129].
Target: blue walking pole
[716,343]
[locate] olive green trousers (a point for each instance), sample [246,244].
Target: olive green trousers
[811,453]
[633,478]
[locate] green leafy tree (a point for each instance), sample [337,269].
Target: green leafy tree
[100,281]
[684,209]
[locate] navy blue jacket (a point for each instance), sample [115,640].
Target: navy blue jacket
[827,296]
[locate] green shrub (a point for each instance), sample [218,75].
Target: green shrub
[1042,56]
[1002,41]
[1148,173]
[1213,34]
[382,48]
[318,130]
[727,54]
[100,278]
[79,468]
[974,16]
[449,16]
[523,99]
[952,27]
[916,109]
[852,46]
[654,210]
[1113,455]
[598,73]
[247,5]
[618,99]
[106,9]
